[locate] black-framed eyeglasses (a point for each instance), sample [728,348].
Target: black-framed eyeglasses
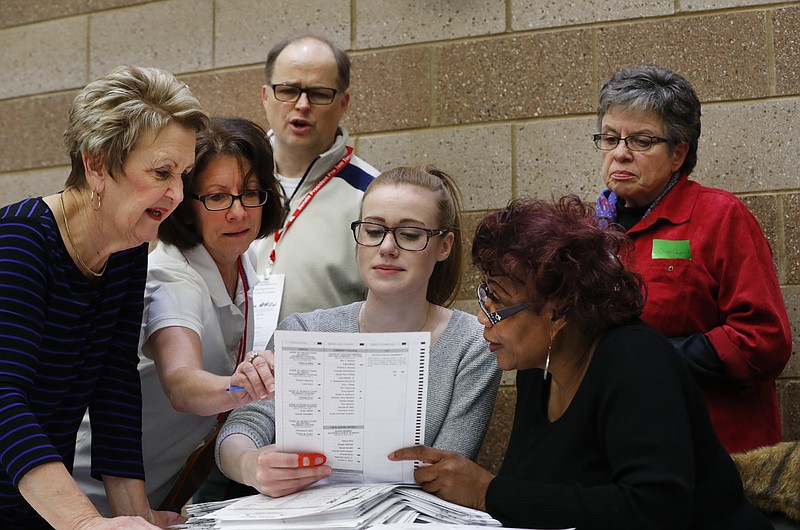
[411,238]
[316,95]
[634,142]
[496,316]
[215,202]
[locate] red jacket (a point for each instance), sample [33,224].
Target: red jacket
[727,289]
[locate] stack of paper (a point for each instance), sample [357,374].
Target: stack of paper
[337,506]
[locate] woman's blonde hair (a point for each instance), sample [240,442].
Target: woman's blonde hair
[110,114]
[445,280]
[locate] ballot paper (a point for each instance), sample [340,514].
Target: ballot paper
[354,397]
[338,506]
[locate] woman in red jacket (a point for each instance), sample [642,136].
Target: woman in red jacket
[710,281]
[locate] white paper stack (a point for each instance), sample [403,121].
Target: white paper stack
[337,506]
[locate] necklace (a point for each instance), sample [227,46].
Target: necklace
[365,330]
[71,242]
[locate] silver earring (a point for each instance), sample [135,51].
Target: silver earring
[547,362]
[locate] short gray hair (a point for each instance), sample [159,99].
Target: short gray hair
[670,96]
[110,114]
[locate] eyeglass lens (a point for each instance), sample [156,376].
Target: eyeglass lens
[634,142]
[405,237]
[501,314]
[483,295]
[223,201]
[317,95]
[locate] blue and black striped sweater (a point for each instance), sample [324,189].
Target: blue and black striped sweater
[67,342]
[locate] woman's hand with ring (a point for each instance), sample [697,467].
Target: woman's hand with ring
[255,376]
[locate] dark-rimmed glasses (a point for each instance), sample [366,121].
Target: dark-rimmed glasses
[496,316]
[411,238]
[634,142]
[316,95]
[215,202]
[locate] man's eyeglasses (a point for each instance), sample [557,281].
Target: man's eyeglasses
[496,316]
[215,202]
[634,142]
[316,95]
[405,237]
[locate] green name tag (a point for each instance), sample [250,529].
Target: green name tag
[667,249]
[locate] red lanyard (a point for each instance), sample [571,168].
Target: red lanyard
[310,195]
[246,287]
[243,341]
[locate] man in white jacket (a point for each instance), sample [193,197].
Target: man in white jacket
[305,98]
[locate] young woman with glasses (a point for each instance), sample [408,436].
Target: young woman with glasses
[409,254]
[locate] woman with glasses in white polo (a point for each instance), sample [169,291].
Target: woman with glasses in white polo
[409,253]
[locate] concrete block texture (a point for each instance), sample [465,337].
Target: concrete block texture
[35,183]
[479,158]
[384,23]
[791,295]
[789,394]
[391,90]
[174,35]
[514,77]
[246,29]
[765,208]
[18,12]
[471,276]
[723,56]
[791,232]
[537,14]
[494,445]
[706,5]
[786,24]
[750,146]
[556,157]
[29,67]
[233,93]
[31,130]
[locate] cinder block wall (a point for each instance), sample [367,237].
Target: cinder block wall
[498,92]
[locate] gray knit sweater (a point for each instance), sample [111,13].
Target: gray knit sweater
[462,384]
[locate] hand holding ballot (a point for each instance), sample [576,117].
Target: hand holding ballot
[270,471]
[449,475]
[255,377]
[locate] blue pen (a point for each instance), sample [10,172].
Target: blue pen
[234,389]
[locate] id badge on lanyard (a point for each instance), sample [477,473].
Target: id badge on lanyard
[267,297]
[268,294]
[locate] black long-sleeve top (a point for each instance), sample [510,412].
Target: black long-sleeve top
[634,450]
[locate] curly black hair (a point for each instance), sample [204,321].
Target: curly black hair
[558,252]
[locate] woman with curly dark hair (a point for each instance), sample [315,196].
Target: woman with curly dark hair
[610,430]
